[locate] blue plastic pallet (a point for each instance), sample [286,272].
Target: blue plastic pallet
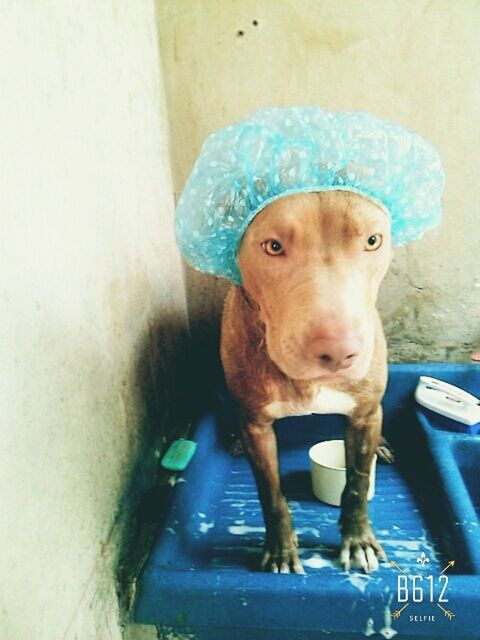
[201,576]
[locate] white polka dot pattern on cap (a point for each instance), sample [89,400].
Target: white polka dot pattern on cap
[277,152]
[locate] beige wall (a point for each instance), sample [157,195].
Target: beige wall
[412,61]
[91,298]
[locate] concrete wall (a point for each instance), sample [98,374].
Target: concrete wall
[92,302]
[415,62]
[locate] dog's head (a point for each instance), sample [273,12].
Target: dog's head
[314,263]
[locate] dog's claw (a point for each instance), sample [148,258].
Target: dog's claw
[385,451]
[280,554]
[298,568]
[361,552]
[265,561]
[281,561]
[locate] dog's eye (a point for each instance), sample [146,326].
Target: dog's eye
[273,247]
[374,242]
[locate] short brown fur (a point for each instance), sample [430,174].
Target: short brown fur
[287,305]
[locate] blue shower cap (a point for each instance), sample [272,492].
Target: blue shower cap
[276,152]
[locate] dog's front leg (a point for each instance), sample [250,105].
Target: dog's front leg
[359,545]
[280,552]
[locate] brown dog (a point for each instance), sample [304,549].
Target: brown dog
[302,335]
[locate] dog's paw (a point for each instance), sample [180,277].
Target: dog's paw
[361,552]
[281,556]
[236,448]
[385,452]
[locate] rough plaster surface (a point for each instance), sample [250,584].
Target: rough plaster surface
[141,632]
[413,62]
[149,632]
[91,290]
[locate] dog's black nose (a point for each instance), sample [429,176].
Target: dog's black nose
[335,354]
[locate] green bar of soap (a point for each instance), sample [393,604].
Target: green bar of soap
[178,455]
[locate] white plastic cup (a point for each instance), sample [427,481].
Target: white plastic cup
[327,462]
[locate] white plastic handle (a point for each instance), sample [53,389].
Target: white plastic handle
[455,392]
[448,400]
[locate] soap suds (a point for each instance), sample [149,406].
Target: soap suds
[413,545]
[359,581]
[317,562]
[243,529]
[205,526]
[386,631]
[369,630]
[173,480]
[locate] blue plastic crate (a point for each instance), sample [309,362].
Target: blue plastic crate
[201,576]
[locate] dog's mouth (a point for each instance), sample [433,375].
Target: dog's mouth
[332,377]
[298,366]
[339,356]
[314,372]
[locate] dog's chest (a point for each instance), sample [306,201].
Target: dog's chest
[325,400]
